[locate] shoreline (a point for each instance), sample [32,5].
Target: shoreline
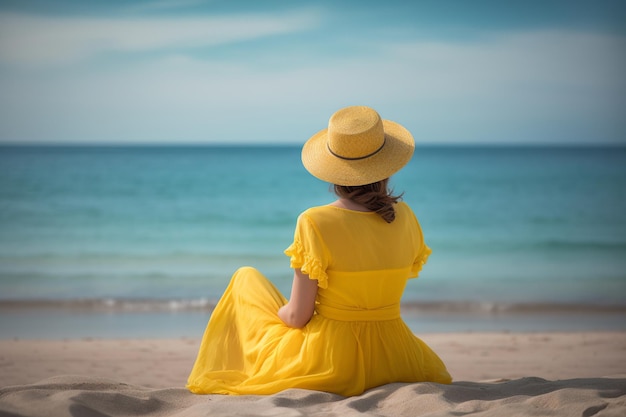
[116,305]
[161,319]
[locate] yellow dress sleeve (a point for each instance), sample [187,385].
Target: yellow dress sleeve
[422,251]
[308,251]
[420,260]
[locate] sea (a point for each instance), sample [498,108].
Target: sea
[141,241]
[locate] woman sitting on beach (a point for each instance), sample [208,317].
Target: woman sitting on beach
[341,329]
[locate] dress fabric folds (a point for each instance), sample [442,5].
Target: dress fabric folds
[356,338]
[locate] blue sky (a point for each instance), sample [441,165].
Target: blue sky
[188,71]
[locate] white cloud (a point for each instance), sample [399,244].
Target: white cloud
[522,87]
[541,56]
[41,41]
[528,86]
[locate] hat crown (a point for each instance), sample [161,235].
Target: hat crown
[355,133]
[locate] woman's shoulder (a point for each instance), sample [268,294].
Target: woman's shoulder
[406,213]
[318,213]
[403,208]
[329,216]
[401,205]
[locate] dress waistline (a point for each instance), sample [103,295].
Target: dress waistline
[379,314]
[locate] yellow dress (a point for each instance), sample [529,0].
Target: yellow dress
[356,338]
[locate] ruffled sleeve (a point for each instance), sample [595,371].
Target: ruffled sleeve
[308,251]
[420,260]
[422,251]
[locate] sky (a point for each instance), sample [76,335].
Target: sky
[259,72]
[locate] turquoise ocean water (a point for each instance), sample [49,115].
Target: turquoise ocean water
[141,241]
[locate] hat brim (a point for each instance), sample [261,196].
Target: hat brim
[395,154]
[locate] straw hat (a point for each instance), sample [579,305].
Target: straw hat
[357,148]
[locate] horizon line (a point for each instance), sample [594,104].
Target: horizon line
[294,144]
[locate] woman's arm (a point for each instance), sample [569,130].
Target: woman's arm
[299,310]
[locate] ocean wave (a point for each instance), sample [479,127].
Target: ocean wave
[496,308]
[125,256]
[111,305]
[141,305]
[516,245]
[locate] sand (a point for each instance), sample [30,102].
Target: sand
[496,374]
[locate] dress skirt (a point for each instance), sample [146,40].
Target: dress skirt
[247,349]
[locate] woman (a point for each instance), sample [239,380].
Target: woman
[341,330]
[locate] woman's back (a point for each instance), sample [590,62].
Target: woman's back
[367,260]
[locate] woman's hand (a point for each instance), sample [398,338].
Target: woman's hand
[299,310]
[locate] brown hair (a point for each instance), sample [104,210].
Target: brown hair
[376,197]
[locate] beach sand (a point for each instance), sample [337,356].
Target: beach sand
[496,374]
